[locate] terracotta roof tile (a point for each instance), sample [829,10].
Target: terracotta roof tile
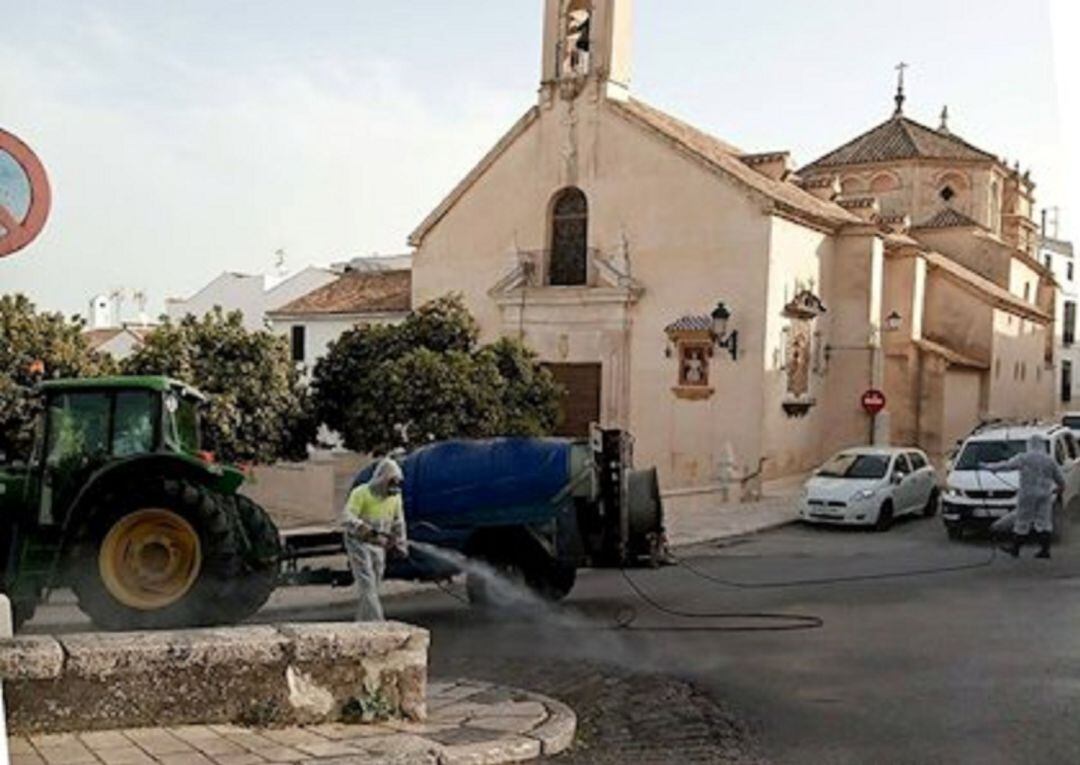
[95,338]
[949,218]
[899,138]
[691,324]
[729,160]
[356,292]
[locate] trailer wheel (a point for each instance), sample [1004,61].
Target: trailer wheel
[155,555]
[521,562]
[260,544]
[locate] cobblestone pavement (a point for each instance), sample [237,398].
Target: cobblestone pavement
[468,722]
[625,717]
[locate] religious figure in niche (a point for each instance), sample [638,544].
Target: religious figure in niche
[693,365]
[798,358]
[577,47]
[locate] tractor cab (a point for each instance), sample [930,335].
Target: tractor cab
[86,424]
[118,502]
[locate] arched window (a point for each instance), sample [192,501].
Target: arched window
[851,185]
[883,183]
[952,188]
[569,265]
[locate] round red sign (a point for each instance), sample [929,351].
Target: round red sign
[873,401]
[24,194]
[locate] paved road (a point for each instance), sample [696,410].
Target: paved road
[975,666]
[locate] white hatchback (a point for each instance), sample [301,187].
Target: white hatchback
[870,486]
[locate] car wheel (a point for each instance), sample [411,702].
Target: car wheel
[885,517]
[932,504]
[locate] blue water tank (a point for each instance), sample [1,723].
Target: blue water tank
[450,479]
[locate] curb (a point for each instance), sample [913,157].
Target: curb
[470,723]
[738,535]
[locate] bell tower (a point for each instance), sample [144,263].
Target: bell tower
[588,40]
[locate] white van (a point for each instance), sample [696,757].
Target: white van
[975,498]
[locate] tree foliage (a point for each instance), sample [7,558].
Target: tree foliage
[35,346]
[259,409]
[427,379]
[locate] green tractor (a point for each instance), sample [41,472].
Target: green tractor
[118,503]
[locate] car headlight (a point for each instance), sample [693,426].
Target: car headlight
[864,494]
[954,493]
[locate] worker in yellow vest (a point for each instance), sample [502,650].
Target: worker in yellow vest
[374,521]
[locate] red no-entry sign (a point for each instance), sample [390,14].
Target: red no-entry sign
[24,194]
[873,401]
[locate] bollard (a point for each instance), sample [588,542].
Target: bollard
[6,633]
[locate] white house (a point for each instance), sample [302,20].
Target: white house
[118,342]
[1057,255]
[253,295]
[315,320]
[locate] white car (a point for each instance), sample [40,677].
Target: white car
[870,486]
[975,498]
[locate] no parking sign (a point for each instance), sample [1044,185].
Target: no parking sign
[24,194]
[873,401]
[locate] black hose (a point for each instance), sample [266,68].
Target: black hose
[839,579]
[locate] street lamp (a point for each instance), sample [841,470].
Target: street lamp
[893,322]
[720,335]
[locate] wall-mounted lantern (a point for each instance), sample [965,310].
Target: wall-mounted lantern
[893,322]
[720,335]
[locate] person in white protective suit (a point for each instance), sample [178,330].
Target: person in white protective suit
[1040,481]
[374,525]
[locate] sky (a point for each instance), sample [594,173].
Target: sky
[187,139]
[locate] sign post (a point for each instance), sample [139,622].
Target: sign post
[25,197]
[5,634]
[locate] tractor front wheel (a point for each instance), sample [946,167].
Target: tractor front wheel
[156,555]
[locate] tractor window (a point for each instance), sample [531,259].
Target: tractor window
[78,427]
[133,428]
[183,422]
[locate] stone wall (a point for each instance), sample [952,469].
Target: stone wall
[264,676]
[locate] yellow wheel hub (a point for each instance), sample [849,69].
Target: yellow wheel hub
[150,559]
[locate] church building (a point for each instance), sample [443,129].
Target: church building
[727,310]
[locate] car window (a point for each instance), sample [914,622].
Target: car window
[848,465]
[1059,451]
[976,453]
[1070,445]
[918,462]
[1071,421]
[901,466]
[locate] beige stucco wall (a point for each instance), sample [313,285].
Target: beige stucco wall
[956,318]
[1021,386]
[798,257]
[692,239]
[852,287]
[913,188]
[962,394]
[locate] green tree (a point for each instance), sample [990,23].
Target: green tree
[259,409]
[427,379]
[35,346]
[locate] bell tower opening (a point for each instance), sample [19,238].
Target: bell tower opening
[575,43]
[587,39]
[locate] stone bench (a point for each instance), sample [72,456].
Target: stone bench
[263,676]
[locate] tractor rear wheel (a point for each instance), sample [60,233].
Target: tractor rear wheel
[156,555]
[261,550]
